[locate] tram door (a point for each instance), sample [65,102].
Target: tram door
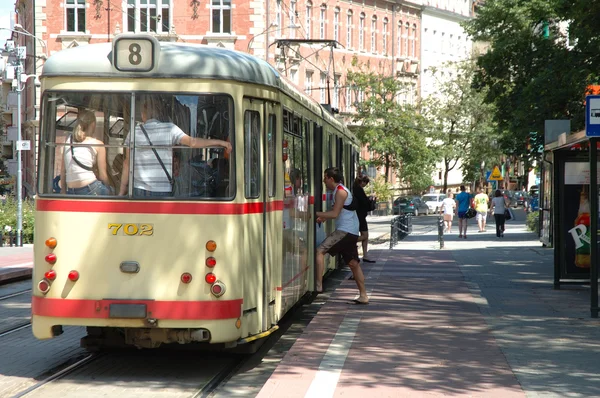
[256,191]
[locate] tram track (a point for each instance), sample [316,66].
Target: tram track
[11,295]
[58,375]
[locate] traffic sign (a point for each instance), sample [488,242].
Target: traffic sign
[23,145]
[496,175]
[592,116]
[487,175]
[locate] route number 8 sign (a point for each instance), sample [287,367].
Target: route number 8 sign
[135,53]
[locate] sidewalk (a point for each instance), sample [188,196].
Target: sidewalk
[15,263]
[478,318]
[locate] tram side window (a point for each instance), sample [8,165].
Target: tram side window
[81,140]
[179,147]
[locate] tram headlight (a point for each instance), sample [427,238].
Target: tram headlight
[50,258]
[43,286]
[217,289]
[51,243]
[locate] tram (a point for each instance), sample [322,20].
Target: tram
[230,248]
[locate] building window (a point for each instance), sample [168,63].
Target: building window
[385,36]
[308,83]
[322,22]
[361,32]
[278,18]
[308,20]
[414,41]
[336,91]
[322,83]
[75,15]
[405,37]
[221,16]
[292,19]
[374,34]
[336,24]
[148,16]
[399,39]
[349,30]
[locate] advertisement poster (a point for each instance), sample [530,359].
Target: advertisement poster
[576,218]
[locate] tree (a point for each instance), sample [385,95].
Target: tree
[461,124]
[532,76]
[392,130]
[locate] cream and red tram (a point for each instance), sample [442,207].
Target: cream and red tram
[231,249]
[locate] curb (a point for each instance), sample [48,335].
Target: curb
[15,274]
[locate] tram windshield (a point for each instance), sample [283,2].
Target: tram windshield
[85,140]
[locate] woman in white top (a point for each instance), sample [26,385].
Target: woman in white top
[77,172]
[448,208]
[499,205]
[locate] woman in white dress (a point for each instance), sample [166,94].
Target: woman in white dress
[448,209]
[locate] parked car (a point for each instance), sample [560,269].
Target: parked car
[521,198]
[410,205]
[433,201]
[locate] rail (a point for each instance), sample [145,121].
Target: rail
[401,227]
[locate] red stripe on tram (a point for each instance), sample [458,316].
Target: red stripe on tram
[173,310]
[83,206]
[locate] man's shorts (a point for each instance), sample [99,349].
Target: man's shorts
[340,242]
[481,215]
[462,214]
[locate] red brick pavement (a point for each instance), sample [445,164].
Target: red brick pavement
[422,335]
[15,262]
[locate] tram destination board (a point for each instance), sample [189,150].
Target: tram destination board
[592,116]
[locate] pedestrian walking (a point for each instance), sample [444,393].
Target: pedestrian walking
[463,203]
[481,201]
[345,237]
[448,210]
[499,206]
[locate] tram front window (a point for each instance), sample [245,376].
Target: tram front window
[179,149]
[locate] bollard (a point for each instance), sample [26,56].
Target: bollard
[441,231]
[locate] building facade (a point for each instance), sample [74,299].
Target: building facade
[313,43]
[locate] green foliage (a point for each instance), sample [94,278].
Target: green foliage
[8,217]
[392,130]
[533,221]
[460,122]
[382,189]
[532,78]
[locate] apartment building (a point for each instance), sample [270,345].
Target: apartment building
[312,43]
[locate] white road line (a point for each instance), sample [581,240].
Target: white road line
[330,369]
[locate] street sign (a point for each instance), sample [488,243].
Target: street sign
[496,175]
[23,145]
[487,175]
[592,116]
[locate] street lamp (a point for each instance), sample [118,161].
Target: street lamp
[21,79]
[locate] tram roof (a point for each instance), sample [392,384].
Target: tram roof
[176,60]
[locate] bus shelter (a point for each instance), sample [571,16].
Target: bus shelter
[567,210]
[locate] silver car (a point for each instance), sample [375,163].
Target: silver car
[434,201]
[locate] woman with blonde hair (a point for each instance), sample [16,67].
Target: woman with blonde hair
[77,170]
